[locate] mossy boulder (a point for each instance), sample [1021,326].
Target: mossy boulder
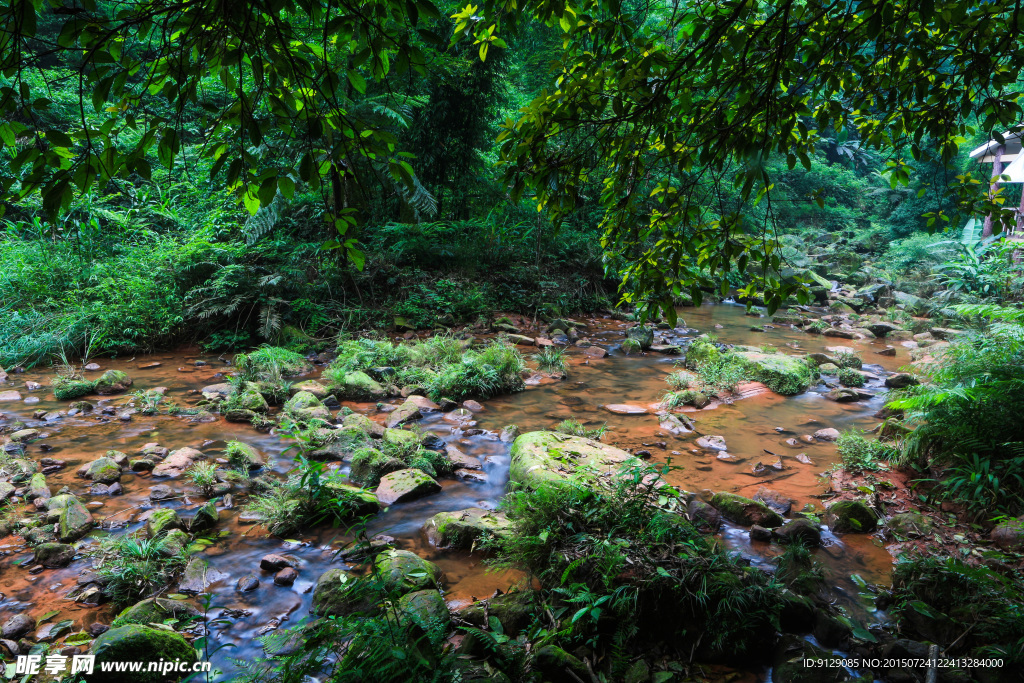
[407,412]
[464,528]
[745,511]
[206,517]
[851,516]
[539,457]
[304,407]
[157,611]
[1009,534]
[404,571]
[74,523]
[54,554]
[643,335]
[782,374]
[37,487]
[175,543]
[401,437]
[405,485]
[514,610]
[338,594]
[249,399]
[243,456]
[138,643]
[553,662]
[358,386]
[426,609]
[102,471]
[113,382]
[909,524]
[311,386]
[359,502]
[161,520]
[364,424]
[66,388]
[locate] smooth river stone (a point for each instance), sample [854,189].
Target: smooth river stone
[10,396]
[625,409]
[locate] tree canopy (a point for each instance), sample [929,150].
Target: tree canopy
[673,117]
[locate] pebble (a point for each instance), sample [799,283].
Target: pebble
[247,583]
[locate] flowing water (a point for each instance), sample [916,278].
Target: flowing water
[749,425]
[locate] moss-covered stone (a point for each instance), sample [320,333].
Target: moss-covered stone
[909,524]
[338,594]
[426,609]
[404,571]
[745,511]
[782,374]
[643,335]
[538,457]
[405,485]
[304,407]
[464,528]
[37,487]
[514,610]
[54,554]
[358,386]
[206,517]
[138,643]
[161,520]
[102,471]
[75,522]
[249,399]
[157,611]
[407,412]
[363,424]
[344,442]
[851,516]
[311,386]
[113,382]
[67,388]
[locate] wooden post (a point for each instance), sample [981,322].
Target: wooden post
[997,170]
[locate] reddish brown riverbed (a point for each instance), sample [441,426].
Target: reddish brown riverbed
[749,426]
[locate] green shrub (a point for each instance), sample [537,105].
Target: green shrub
[136,568]
[850,377]
[864,455]
[270,363]
[551,359]
[203,476]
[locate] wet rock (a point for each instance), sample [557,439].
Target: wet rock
[405,485]
[676,424]
[712,443]
[900,380]
[827,434]
[460,460]
[157,611]
[703,515]
[799,530]
[887,351]
[850,516]
[177,462]
[643,335]
[247,583]
[509,433]
[432,442]
[550,456]
[6,490]
[759,533]
[25,435]
[17,626]
[37,488]
[595,352]
[135,642]
[426,609]
[141,465]
[115,489]
[404,571]
[10,395]
[843,395]
[1009,534]
[625,409]
[162,520]
[102,470]
[406,412]
[464,528]
[946,333]
[54,554]
[364,424]
[775,500]
[75,522]
[275,563]
[175,542]
[472,406]
[160,492]
[206,518]
[193,579]
[745,511]
[113,382]
[286,576]
[909,525]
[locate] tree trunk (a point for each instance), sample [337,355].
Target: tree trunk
[997,170]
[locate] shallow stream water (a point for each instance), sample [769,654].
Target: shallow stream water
[749,425]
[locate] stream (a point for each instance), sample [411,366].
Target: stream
[749,426]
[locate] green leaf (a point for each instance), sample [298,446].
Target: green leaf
[357,80]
